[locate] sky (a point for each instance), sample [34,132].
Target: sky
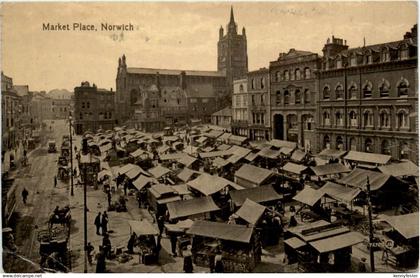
[178,35]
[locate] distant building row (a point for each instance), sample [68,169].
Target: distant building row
[362,99]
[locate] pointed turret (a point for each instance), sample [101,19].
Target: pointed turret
[232,28]
[232,18]
[243,31]
[221,32]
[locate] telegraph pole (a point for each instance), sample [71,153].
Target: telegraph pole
[71,157]
[371,238]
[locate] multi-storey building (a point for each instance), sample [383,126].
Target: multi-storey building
[206,90]
[222,118]
[60,108]
[11,111]
[240,112]
[259,105]
[293,97]
[93,108]
[368,97]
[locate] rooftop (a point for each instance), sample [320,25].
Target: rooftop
[175,72]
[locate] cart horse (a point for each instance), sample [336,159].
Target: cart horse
[60,216]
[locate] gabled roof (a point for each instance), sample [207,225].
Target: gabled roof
[340,192]
[281,143]
[250,211]
[407,225]
[159,171]
[293,53]
[141,182]
[358,178]
[253,174]
[174,72]
[368,157]
[294,168]
[267,152]
[406,168]
[309,196]
[298,156]
[331,153]
[209,184]
[330,169]
[231,232]
[190,207]
[259,194]
[337,242]
[186,174]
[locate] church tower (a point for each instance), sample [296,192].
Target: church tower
[232,56]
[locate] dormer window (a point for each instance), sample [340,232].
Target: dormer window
[353,60]
[339,63]
[404,52]
[385,55]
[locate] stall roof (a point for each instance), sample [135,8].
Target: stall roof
[251,156]
[182,189]
[223,147]
[236,139]
[295,242]
[340,192]
[406,168]
[186,174]
[286,150]
[330,169]
[163,148]
[294,168]
[141,182]
[220,162]
[257,194]
[224,136]
[134,172]
[259,145]
[238,153]
[251,211]
[281,143]
[171,156]
[215,154]
[160,189]
[168,200]
[224,231]
[358,178]
[309,196]
[253,174]
[269,153]
[137,153]
[337,242]
[184,208]
[124,169]
[187,160]
[331,153]
[407,224]
[209,184]
[208,149]
[159,171]
[105,148]
[214,133]
[89,158]
[202,139]
[170,138]
[180,226]
[143,227]
[298,156]
[368,157]
[298,229]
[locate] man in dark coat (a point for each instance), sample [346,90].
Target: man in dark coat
[100,264]
[173,238]
[188,264]
[98,223]
[362,266]
[106,245]
[219,268]
[104,223]
[89,249]
[130,244]
[55,181]
[161,224]
[25,194]
[108,193]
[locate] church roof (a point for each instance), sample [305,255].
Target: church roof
[377,47]
[174,72]
[201,91]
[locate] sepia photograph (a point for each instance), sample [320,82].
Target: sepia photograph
[209,137]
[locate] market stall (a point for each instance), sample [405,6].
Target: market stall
[145,240]
[197,208]
[238,245]
[250,176]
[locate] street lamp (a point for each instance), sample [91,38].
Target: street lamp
[71,156]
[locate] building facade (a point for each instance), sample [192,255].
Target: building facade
[240,114]
[368,97]
[60,108]
[222,118]
[259,127]
[293,97]
[93,108]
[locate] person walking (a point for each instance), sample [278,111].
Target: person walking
[108,193]
[89,249]
[130,244]
[188,264]
[98,223]
[106,245]
[161,224]
[25,194]
[173,238]
[100,261]
[55,181]
[362,266]
[104,223]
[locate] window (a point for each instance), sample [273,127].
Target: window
[326,92]
[384,119]
[384,89]
[339,63]
[88,104]
[286,97]
[367,118]
[326,143]
[339,118]
[297,74]
[368,59]
[339,92]
[402,88]
[278,76]
[83,104]
[307,96]
[262,83]
[367,90]
[307,73]
[241,88]
[385,56]
[353,92]
[404,150]
[253,83]
[262,99]
[298,97]
[278,98]
[353,119]
[385,147]
[205,100]
[402,119]
[262,118]
[339,143]
[404,52]
[353,60]
[368,145]
[353,146]
[286,75]
[326,118]
[81,116]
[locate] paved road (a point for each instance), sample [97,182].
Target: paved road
[38,179]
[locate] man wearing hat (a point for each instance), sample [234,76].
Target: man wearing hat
[362,266]
[188,264]
[219,268]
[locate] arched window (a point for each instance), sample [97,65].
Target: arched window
[368,145]
[278,76]
[367,118]
[286,75]
[353,92]
[297,74]
[326,92]
[253,83]
[339,118]
[404,52]
[385,55]
[353,144]
[339,92]
[262,83]
[404,150]
[367,90]
[402,87]
[326,118]
[307,73]
[368,58]
[298,97]
[286,97]
[326,142]
[339,145]
[241,88]
[402,119]
[384,89]
[353,118]
[307,96]
[384,119]
[385,147]
[278,98]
